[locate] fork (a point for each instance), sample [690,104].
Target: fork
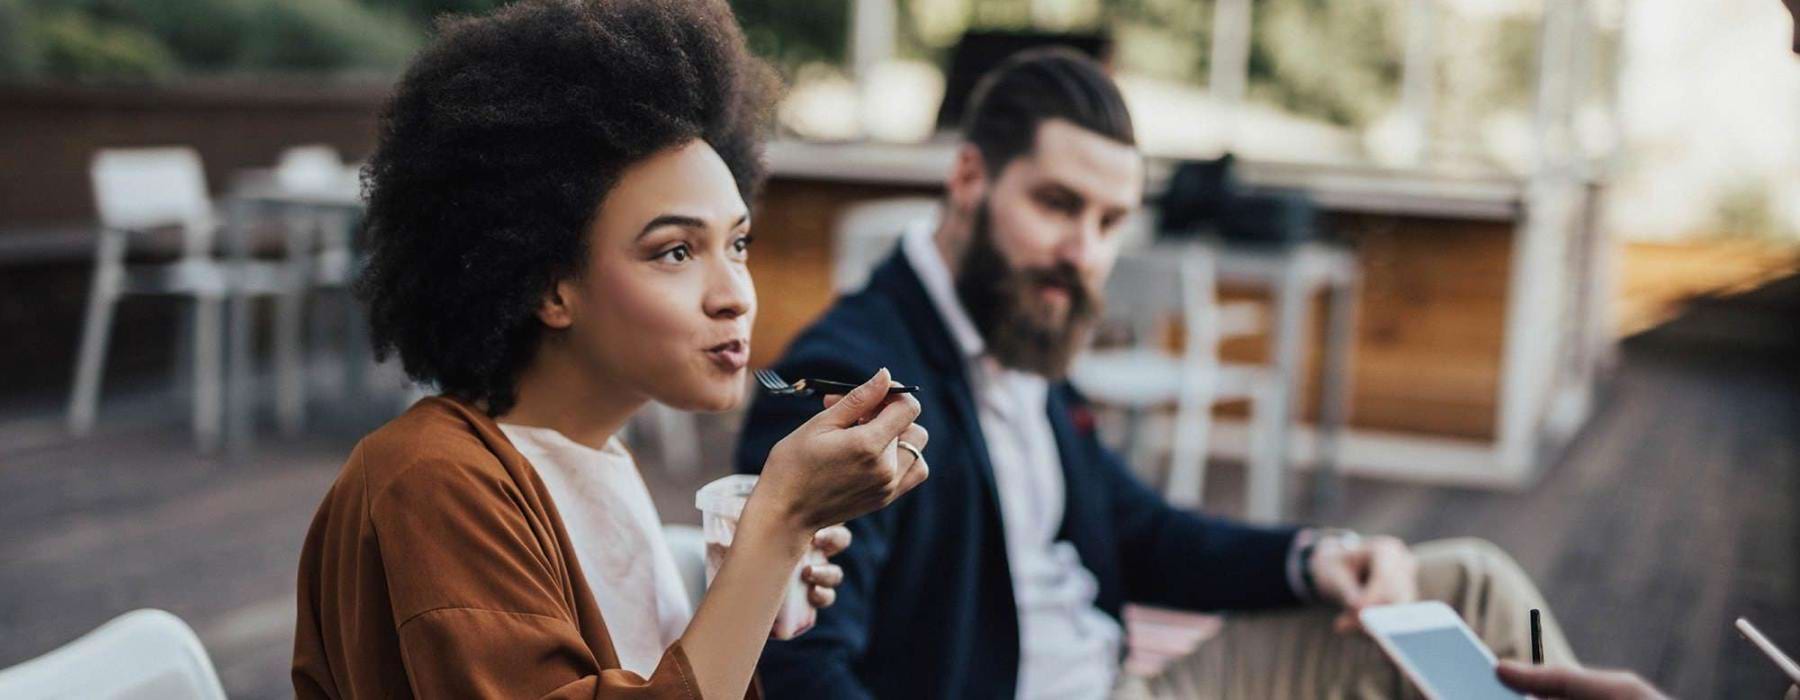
[776,386]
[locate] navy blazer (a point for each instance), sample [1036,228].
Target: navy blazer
[926,608]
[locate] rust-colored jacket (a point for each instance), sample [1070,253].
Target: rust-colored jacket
[438,567]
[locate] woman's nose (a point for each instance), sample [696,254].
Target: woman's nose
[730,293]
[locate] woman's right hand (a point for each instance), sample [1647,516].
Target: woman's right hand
[845,462]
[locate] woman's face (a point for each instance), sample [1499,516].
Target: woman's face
[665,305]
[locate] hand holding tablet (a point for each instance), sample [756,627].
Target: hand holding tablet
[1437,651]
[1443,658]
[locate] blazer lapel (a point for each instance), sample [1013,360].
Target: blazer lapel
[897,280]
[1081,508]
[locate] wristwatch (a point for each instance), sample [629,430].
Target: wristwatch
[1347,539]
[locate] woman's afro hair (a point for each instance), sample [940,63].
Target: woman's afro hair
[497,147]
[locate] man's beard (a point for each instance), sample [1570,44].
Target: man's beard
[1022,331]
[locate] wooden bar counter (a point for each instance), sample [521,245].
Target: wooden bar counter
[1477,332]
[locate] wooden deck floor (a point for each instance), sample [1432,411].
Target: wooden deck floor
[1672,514]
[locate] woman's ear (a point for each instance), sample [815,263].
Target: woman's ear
[553,309]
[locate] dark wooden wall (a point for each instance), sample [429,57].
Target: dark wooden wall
[48,134]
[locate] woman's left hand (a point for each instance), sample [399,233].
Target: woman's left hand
[824,578]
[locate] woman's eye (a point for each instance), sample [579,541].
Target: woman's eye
[741,246]
[679,253]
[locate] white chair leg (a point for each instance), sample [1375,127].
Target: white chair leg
[326,368]
[91,360]
[1264,481]
[301,231]
[209,372]
[181,372]
[1139,442]
[290,379]
[1187,462]
[1187,457]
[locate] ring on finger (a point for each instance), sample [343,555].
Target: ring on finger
[909,447]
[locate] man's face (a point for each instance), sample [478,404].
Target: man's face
[1045,236]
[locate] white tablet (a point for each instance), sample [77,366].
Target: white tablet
[1430,643]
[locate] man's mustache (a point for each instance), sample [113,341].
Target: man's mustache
[1063,276]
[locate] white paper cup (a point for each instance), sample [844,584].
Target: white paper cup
[721,504]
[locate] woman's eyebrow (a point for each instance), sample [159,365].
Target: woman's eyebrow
[672,220]
[685,221]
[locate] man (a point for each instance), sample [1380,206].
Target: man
[1004,575]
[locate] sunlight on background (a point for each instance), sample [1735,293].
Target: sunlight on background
[1689,105]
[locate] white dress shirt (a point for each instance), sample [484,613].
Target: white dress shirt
[617,538]
[1069,648]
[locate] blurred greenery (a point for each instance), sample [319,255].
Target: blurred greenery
[19,56]
[1334,60]
[73,45]
[148,40]
[327,35]
[1338,60]
[793,33]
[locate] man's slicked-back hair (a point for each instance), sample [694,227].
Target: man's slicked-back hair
[1035,86]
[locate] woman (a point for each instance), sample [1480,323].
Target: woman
[558,235]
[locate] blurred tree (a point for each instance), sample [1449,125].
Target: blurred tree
[19,56]
[204,35]
[127,40]
[1334,60]
[426,11]
[76,46]
[329,35]
[792,33]
[1337,60]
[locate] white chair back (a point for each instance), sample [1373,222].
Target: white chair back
[1145,292]
[143,654]
[146,188]
[311,168]
[866,232]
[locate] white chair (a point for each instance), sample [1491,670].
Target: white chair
[310,168]
[866,232]
[314,179]
[1145,292]
[135,191]
[143,654]
[140,190]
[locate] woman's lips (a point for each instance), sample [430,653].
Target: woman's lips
[730,356]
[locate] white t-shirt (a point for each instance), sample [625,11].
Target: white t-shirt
[617,538]
[1069,648]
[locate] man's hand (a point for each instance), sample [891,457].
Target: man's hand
[1563,683]
[1374,571]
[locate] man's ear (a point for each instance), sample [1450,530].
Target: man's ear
[553,308]
[968,181]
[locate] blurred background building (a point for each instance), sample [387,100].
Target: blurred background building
[1545,292]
